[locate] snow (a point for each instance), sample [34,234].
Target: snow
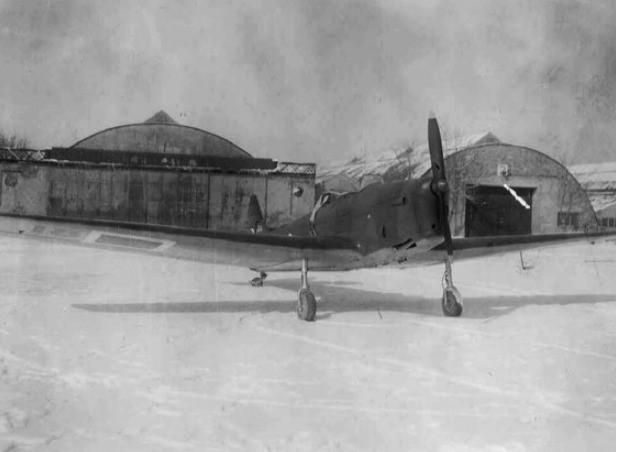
[101,350]
[408,161]
[595,176]
[602,201]
[598,179]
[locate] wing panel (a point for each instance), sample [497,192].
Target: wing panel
[248,250]
[470,247]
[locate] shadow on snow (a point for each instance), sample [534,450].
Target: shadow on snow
[333,299]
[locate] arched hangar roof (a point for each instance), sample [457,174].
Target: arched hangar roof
[161,133]
[556,189]
[484,158]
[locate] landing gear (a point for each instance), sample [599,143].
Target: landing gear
[452,301]
[259,280]
[307,306]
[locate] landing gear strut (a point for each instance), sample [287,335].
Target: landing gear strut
[307,306]
[259,280]
[452,300]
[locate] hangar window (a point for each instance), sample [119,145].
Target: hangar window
[608,222]
[565,219]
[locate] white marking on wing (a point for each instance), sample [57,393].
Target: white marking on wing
[128,241]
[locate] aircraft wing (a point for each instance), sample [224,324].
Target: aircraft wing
[463,248]
[473,247]
[269,252]
[235,248]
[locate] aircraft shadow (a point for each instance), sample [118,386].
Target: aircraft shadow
[333,300]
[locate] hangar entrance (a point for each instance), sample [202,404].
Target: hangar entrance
[491,210]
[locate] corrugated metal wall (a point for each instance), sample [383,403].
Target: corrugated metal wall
[173,197]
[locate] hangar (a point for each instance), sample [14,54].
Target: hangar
[484,175]
[157,172]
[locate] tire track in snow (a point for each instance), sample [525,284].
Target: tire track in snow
[473,332]
[341,407]
[534,398]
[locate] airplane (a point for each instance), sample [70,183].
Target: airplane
[379,225]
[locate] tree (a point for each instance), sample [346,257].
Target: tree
[13,141]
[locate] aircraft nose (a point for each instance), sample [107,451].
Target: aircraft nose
[425,209]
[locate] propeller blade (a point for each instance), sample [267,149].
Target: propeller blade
[436,151]
[439,184]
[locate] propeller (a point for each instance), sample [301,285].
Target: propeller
[439,184]
[452,301]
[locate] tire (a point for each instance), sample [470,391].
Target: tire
[451,303]
[307,306]
[256,282]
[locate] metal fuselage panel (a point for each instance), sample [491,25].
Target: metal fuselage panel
[378,217]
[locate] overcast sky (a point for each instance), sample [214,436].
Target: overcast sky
[315,80]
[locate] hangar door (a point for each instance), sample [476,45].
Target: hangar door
[491,210]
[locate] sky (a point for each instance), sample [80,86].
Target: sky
[315,80]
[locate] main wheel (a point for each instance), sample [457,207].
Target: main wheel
[257,282]
[307,306]
[452,302]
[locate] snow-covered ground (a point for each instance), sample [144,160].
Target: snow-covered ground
[104,351]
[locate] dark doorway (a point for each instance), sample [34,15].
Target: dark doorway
[494,211]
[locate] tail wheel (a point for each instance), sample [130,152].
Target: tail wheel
[307,306]
[452,302]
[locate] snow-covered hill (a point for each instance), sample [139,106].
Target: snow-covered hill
[390,166]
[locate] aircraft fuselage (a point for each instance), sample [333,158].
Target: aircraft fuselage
[381,216]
